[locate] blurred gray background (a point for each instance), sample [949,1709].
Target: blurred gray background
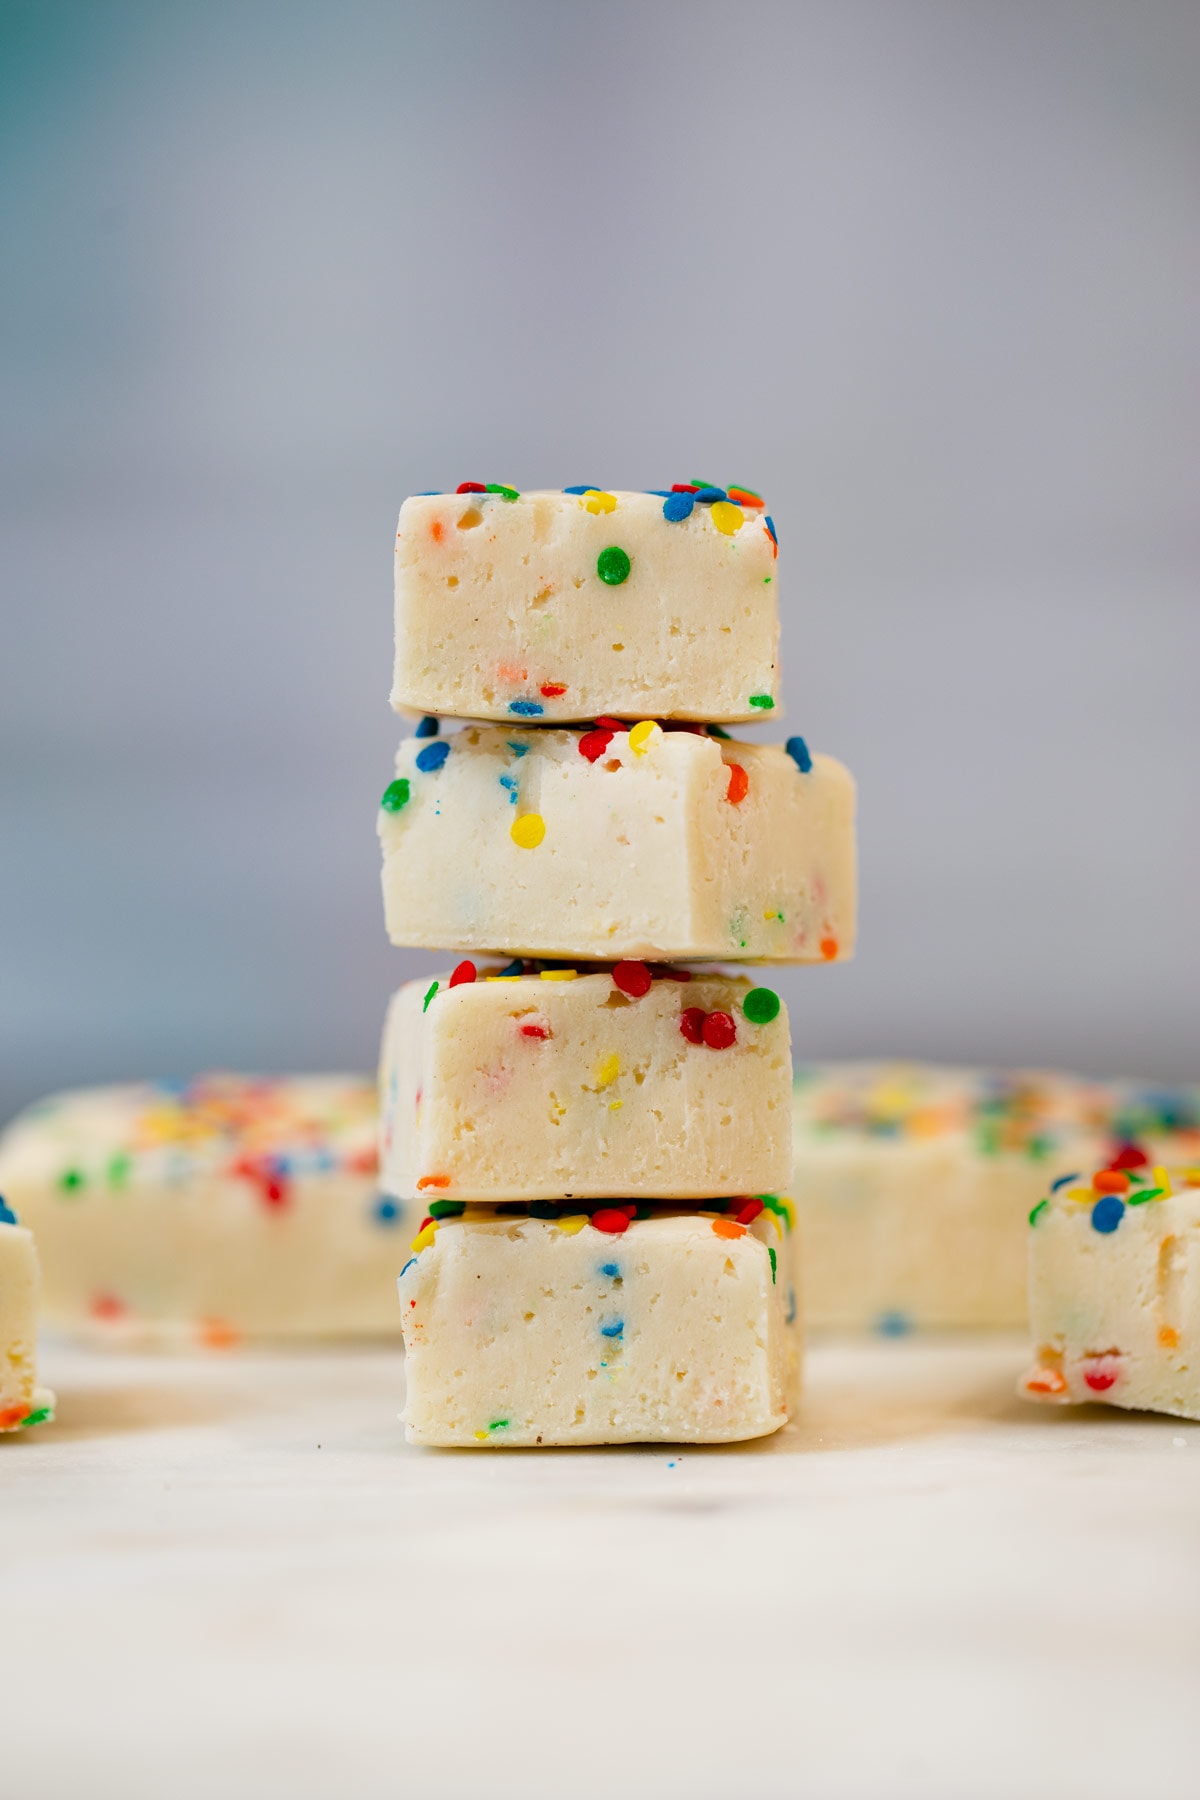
[926,275]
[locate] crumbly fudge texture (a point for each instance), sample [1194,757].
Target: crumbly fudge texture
[629,1082]
[913,1183]
[228,1206]
[561,606]
[1114,1290]
[22,1401]
[621,843]
[598,1328]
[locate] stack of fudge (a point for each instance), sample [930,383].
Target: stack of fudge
[597,1120]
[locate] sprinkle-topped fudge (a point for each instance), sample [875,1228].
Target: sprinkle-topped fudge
[637,1082]
[1114,1288]
[614,1325]
[619,842]
[206,1211]
[22,1401]
[565,605]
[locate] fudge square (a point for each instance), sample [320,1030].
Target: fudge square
[562,606]
[599,1328]
[208,1210]
[22,1401]
[628,1082]
[615,843]
[1114,1290]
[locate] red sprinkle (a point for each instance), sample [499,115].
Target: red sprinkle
[107,1306]
[607,724]
[749,1212]
[628,1207]
[464,972]
[1129,1156]
[739,784]
[275,1190]
[610,1219]
[471,487]
[1100,1377]
[691,1023]
[633,978]
[593,744]
[552,689]
[683,487]
[427,1220]
[719,1030]
[535,1031]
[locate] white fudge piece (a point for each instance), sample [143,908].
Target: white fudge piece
[233,1206]
[565,606]
[524,1331]
[538,1086]
[22,1401]
[913,1184]
[1114,1291]
[663,844]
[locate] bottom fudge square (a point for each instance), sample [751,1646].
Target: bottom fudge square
[1114,1291]
[600,1327]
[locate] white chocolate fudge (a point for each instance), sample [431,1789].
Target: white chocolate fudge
[563,606]
[619,844]
[675,1327]
[234,1206]
[22,1401]
[628,1083]
[913,1184]
[1114,1290]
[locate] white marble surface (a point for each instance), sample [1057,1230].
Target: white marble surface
[229,1576]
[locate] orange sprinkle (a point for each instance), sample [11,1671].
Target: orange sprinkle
[728,1228]
[829,948]
[217,1334]
[739,784]
[1045,1381]
[1168,1337]
[437,531]
[510,672]
[1111,1181]
[11,1417]
[434,1181]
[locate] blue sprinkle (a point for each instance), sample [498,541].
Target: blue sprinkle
[797,749]
[677,507]
[511,783]
[430,494]
[581,490]
[387,1210]
[614,1330]
[660,493]
[893,1324]
[671,1465]
[791,1311]
[1062,1182]
[612,1270]
[528,709]
[410,1264]
[1107,1213]
[515,967]
[769,522]
[428,726]
[519,749]
[7,1215]
[432,756]
[708,496]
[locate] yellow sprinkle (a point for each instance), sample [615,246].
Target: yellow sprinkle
[643,735]
[481,1437]
[608,1071]
[424,1238]
[597,501]
[504,978]
[615,1105]
[572,1223]
[1168,1337]
[726,517]
[559,974]
[528,831]
[1190,1177]
[1162,1180]
[1084,1195]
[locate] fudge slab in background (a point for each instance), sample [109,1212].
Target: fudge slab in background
[677,1327]
[913,1184]
[22,1401]
[671,845]
[563,606]
[230,1206]
[1114,1291]
[589,1084]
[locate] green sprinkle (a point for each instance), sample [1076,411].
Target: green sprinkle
[498,1425]
[774,1260]
[715,731]
[766,581]
[118,1169]
[432,990]
[39,1417]
[71,1180]
[1040,1146]
[395,795]
[1038,1210]
[761,1005]
[612,565]
[446,1209]
[1140,1199]
[763,702]
[505,493]
[781,1208]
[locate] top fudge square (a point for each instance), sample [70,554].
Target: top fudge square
[570,606]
